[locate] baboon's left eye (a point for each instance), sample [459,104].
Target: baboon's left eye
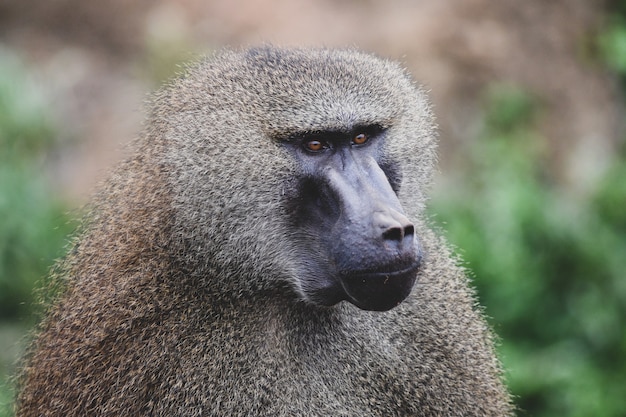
[360,139]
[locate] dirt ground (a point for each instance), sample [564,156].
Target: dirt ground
[97,60]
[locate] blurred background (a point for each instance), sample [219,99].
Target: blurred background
[532,191]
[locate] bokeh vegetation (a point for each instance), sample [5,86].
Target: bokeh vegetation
[549,265]
[33,222]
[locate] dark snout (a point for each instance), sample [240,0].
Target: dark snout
[375,245]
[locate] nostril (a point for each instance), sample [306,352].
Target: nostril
[393,226]
[394,233]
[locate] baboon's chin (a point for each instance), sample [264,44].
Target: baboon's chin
[379,291]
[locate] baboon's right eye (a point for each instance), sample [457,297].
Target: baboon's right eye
[315,145]
[360,139]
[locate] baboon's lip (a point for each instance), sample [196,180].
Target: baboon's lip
[379,290]
[384,272]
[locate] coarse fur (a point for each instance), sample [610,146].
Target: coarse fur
[184,296]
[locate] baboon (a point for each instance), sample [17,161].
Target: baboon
[264,252]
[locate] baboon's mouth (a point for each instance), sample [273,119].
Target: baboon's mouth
[379,290]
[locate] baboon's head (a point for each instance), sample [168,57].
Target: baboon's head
[299,167]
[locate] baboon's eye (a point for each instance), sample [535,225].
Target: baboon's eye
[360,139]
[315,145]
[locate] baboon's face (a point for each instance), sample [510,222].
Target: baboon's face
[347,202]
[301,166]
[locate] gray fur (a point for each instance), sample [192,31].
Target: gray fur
[182,296]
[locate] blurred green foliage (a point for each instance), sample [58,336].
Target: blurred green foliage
[611,41]
[6,399]
[33,222]
[549,267]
